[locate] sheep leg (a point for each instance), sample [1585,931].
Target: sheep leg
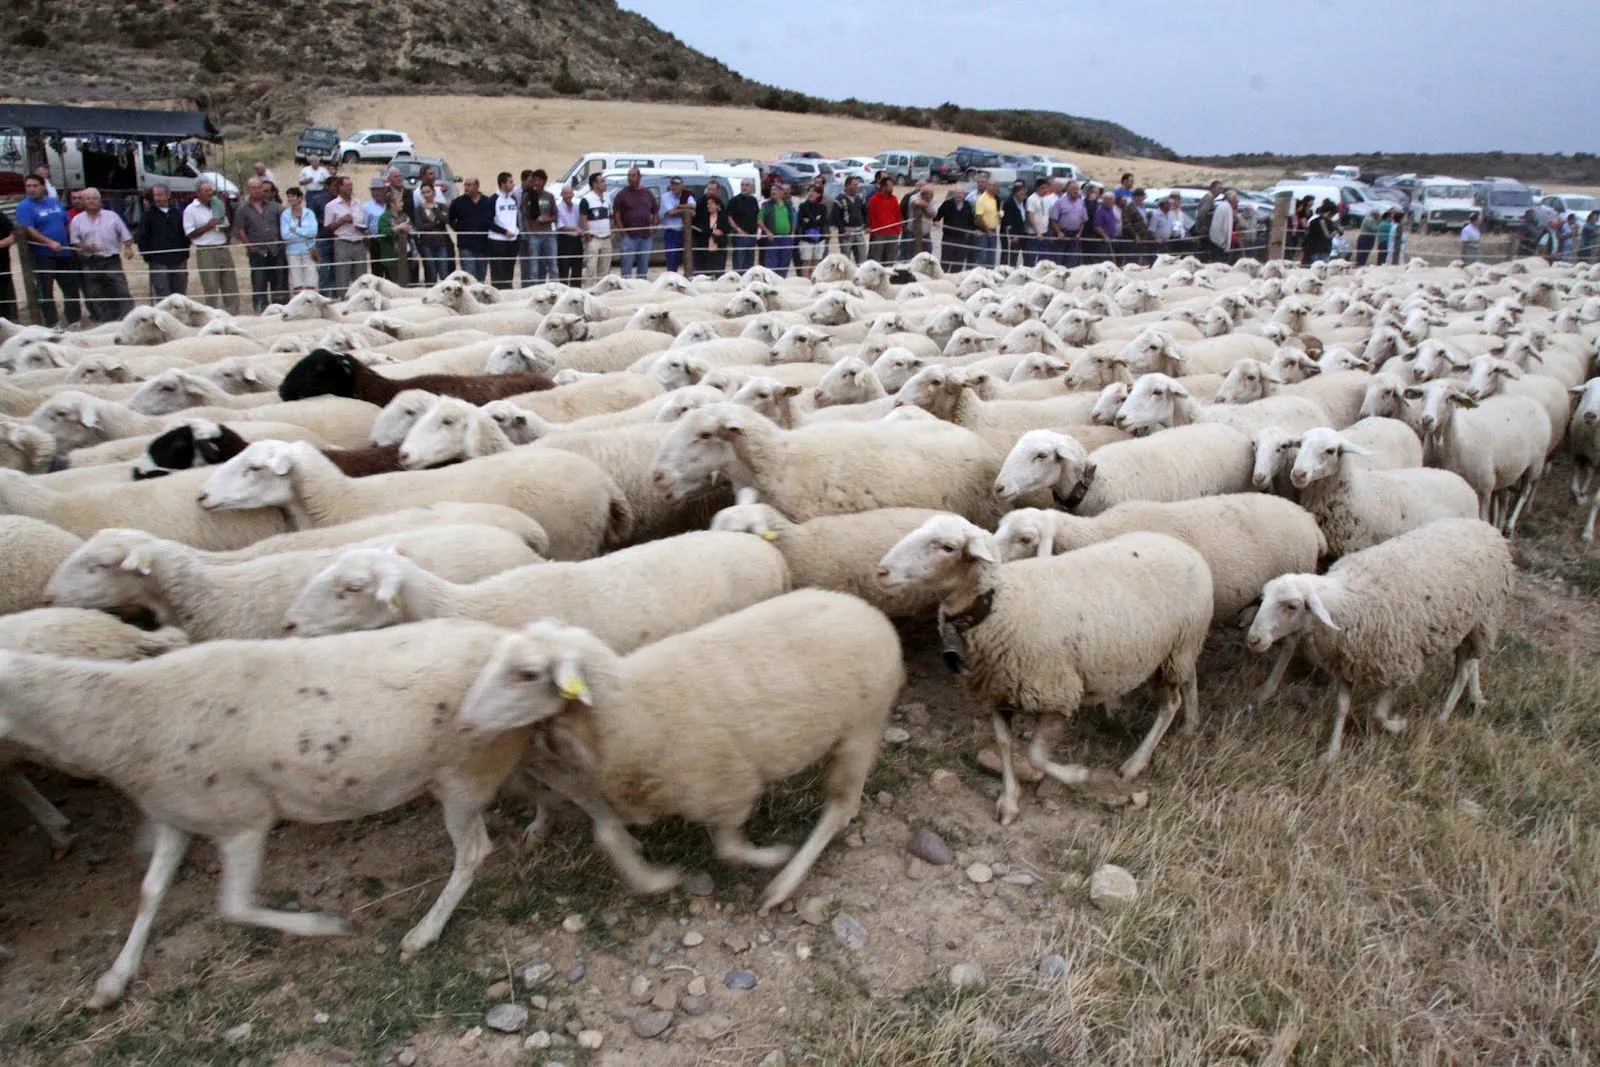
[1588,524]
[463,820]
[51,821]
[1475,685]
[241,873]
[1466,675]
[1006,808]
[1044,739]
[1581,477]
[1340,714]
[1280,667]
[1191,703]
[1171,698]
[619,846]
[1524,492]
[1380,713]
[170,845]
[847,775]
[733,846]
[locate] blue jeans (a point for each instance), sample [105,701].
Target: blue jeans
[780,250]
[325,264]
[984,243]
[538,258]
[672,240]
[475,264]
[636,256]
[437,260]
[744,252]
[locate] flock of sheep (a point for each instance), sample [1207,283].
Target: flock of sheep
[308,565]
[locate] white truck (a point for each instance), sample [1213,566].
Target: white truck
[123,167]
[594,163]
[1441,204]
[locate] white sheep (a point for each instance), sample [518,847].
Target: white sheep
[830,469]
[837,552]
[24,447]
[1245,538]
[403,521]
[1177,464]
[1387,444]
[1488,376]
[30,552]
[1340,394]
[78,420]
[174,390]
[1379,615]
[849,381]
[749,699]
[311,731]
[1045,635]
[576,503]
[1361,508]
[1583,438]
[128,570]
[1157,350]
[613,353]
[627,598]
[1158,402]
[1498,445]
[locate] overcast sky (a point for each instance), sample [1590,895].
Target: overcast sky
[1242,76]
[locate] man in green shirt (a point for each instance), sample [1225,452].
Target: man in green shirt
[776,227]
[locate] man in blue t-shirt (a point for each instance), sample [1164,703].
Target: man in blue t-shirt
[43,222]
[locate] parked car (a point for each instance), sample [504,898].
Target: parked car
[856,167]
[373,146]
[804,153]
[593,163]
[970,160]
[1354,203]
[1565,204]
[319,141]
[946,170]
[411,169]
[806,170]
[905,166]
[1503,201]
[1441,204]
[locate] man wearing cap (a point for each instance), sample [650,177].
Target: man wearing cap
[676,206]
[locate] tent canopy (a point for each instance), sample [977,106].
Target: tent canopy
[108,122]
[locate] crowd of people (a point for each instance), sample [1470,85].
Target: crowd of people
[314,235]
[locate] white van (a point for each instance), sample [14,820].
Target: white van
[906,167]
[579,173]
[126,167]
[1347,172]
[656,179]
[1441,204]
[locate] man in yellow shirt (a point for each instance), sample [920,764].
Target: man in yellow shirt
[986,211]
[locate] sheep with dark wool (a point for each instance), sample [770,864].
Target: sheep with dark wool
[324,372]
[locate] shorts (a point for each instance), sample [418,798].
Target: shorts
[302,272]
[810,251]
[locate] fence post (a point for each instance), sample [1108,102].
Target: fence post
[28,297]
[1278,235]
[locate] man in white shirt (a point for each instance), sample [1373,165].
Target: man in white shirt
[503,236]
[313,174]
[1470,236]
[348,225]
[1221,230]
[205,223]
[596,211]
[1038,207]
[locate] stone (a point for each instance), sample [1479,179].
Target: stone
[930,848]
[1053,966]
[575,975]
[498,990]
[320,1018]
[693,939]
[851,934]
[237,1035]
[537,1040]
[989,760]
[1111,887]
[802,950]
[813,911]
[695,1005]
[591,1039]
[735,944]
[945,781]
[651,1023]
[507,1018]
[539,1003]
[896,735]
[738,978]
[884,798]
[639,990]
[699,884]
[468,1041]
[406,1058]
[980,873]
[697,986]
[775,1058]
[915,712]
[335,1054]
[1139,799]
[1019,878]
[916,870]
[664,1000]
[573,924]
[574,1027]
[966,975]
[654,958]
[535,973]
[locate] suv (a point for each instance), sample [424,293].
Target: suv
[319,141]
[411,169]
[374,146]
[969,161]
[1441,204]
[1504,202]
[946,170]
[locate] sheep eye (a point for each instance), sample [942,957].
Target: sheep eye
[947,549]
[704,435]
[447,422]
[1041,455]
[353,587]
[530,674]
[254,468]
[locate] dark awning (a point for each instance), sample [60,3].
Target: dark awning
[108,122]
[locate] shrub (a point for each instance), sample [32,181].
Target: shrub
[564,83]
[31,37]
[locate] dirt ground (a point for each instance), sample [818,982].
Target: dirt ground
[1429,898]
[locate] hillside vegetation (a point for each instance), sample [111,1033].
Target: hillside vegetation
[264,75]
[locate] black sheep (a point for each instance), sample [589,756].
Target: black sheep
[323,373]
[181,448]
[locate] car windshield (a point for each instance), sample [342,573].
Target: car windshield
[1581,203]
[1450,192]
[1511,198]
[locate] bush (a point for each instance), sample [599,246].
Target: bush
[719,93]
[564,83]
[31,37]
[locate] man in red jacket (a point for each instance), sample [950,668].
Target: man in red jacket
[883,223]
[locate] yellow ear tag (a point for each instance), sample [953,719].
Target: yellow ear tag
[769,535]
[574,689]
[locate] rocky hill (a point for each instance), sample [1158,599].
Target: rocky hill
[258,70]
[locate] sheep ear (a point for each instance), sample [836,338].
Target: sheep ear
[733,426]
[747,495]
[388,591]
[1462,397]
[1268,374]
[1577,390]
[791,390]
[481,432]
[1413,393]
[249,374]
[1314,602]
[570,681]
[87,414]
[137,561]
[281,463]
[1349,448]
[979,546]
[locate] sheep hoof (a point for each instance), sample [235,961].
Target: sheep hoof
[61,845]
[413,943]
[1393,723]
[107,991]
[1006,811]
